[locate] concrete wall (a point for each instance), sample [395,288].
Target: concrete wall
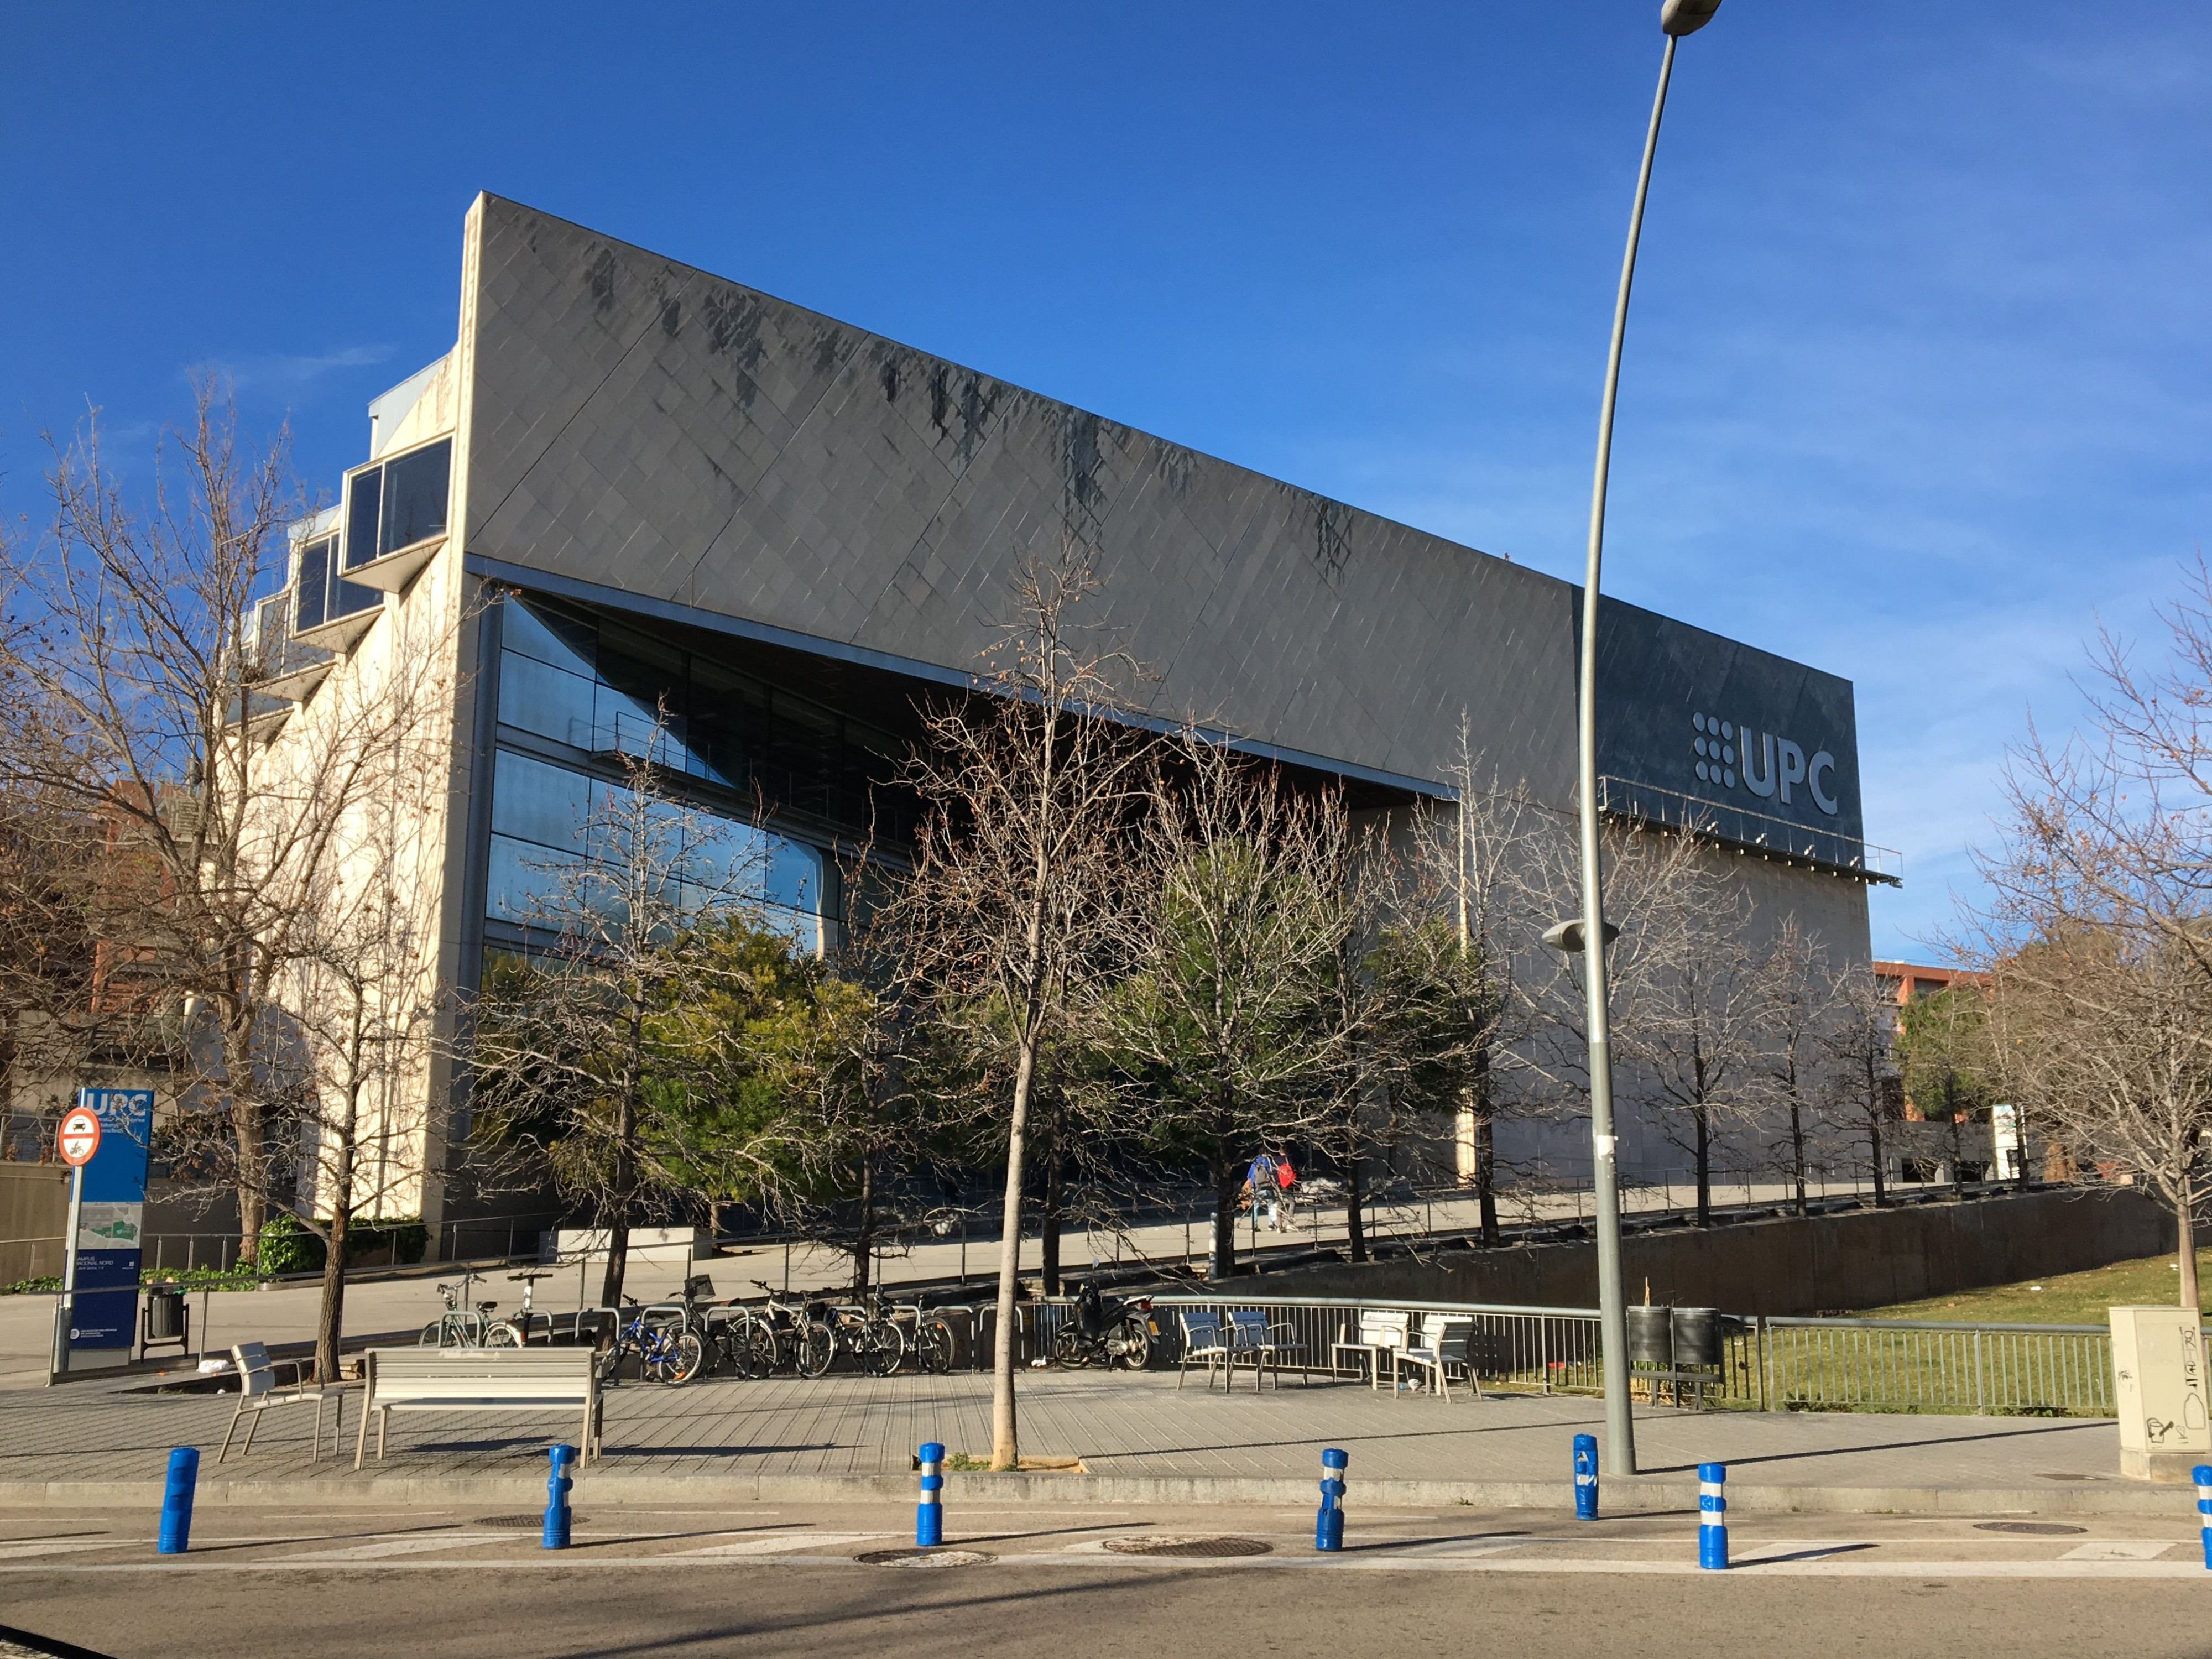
[1861,1259]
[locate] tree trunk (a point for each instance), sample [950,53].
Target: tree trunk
[2185,1229]
[1005,1445]
[1875,1105]
[865,1236]
[625,1182]
[330,1320]
[247,1130]
[1701,1115]
[1355,1208]
[1228,1184]
[1049,1237]
[1485,1179]
[1797,1152]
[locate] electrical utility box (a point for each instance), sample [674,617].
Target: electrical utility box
[2159,1386]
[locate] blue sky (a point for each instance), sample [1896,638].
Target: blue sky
[1916,379]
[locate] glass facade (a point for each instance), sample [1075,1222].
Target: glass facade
[580,689]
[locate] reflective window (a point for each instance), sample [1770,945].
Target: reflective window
[397,504]
[364,492]
[415,492]
[314,584]
[606,687]
[550,822]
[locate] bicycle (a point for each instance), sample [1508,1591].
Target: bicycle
[467,1324]
[803,1331]
[666,1354]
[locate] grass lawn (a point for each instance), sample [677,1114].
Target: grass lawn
[2066,1299]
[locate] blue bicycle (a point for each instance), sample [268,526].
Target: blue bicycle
[669,1352]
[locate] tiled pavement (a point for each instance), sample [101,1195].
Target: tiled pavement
[1118,1425]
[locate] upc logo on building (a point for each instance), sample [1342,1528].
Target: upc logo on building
[1771,767]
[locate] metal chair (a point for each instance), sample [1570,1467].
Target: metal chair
[257,1392]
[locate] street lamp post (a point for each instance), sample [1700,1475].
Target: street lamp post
[1676,18]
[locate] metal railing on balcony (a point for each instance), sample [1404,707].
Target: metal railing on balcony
[1777,838]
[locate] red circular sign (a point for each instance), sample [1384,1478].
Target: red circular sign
[80,1136]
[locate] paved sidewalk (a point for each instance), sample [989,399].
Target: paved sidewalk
[1137,1438]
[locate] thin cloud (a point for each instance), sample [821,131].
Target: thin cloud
[290,375]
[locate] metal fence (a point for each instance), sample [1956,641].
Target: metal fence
[1766,1364]
[1912,1366]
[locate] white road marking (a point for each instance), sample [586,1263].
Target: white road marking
[2118,1549]
[776,1544]
[16,1549]
[415,1544]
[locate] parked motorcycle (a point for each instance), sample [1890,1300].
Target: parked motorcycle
[1103,1333]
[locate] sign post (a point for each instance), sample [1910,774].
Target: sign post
[78,1140]
[104,1138]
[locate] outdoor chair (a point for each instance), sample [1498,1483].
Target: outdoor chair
[1442,1342]
[259,1391]
[1252,1338]
[1201,1339]
[1379,1333]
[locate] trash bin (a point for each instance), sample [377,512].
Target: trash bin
[166,1318]
[1697,1333]
[1652,1337]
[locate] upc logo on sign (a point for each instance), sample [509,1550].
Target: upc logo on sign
[1770,768]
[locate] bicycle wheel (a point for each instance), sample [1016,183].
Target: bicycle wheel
[1067,1349]
[880,1350]
[434,1336]
[686,1353]
[932,1347]
[502,1335]
[751,1348]
[817,1347]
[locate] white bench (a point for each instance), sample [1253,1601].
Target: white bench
[539,1380]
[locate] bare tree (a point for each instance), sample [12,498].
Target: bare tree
[1018,863]
[1797,990]
[131,670]
[2113,1028]
[1699,1032]
[1861,1093]
[360,999]
[2096,935]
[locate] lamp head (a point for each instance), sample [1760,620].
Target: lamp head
[1566,937]
[1679,17]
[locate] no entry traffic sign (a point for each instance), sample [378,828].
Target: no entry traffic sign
[80,1136]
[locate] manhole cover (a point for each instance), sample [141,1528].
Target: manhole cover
[2033,1529]
[1168,1543]
[918,1557]
[522,1523]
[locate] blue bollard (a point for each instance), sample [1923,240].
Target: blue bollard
[2203,1475]
[177,1501]
[929,1511]
[1328,1519]
[558,1485]
[1712,1515]
[1585,1477]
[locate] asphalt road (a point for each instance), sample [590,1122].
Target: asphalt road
[409,1584]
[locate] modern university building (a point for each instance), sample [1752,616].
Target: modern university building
[632,481]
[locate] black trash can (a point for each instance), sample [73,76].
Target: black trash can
[165,1319]
[1697,1337]
[1652,1337]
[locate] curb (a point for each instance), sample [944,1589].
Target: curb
[1620,1496]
